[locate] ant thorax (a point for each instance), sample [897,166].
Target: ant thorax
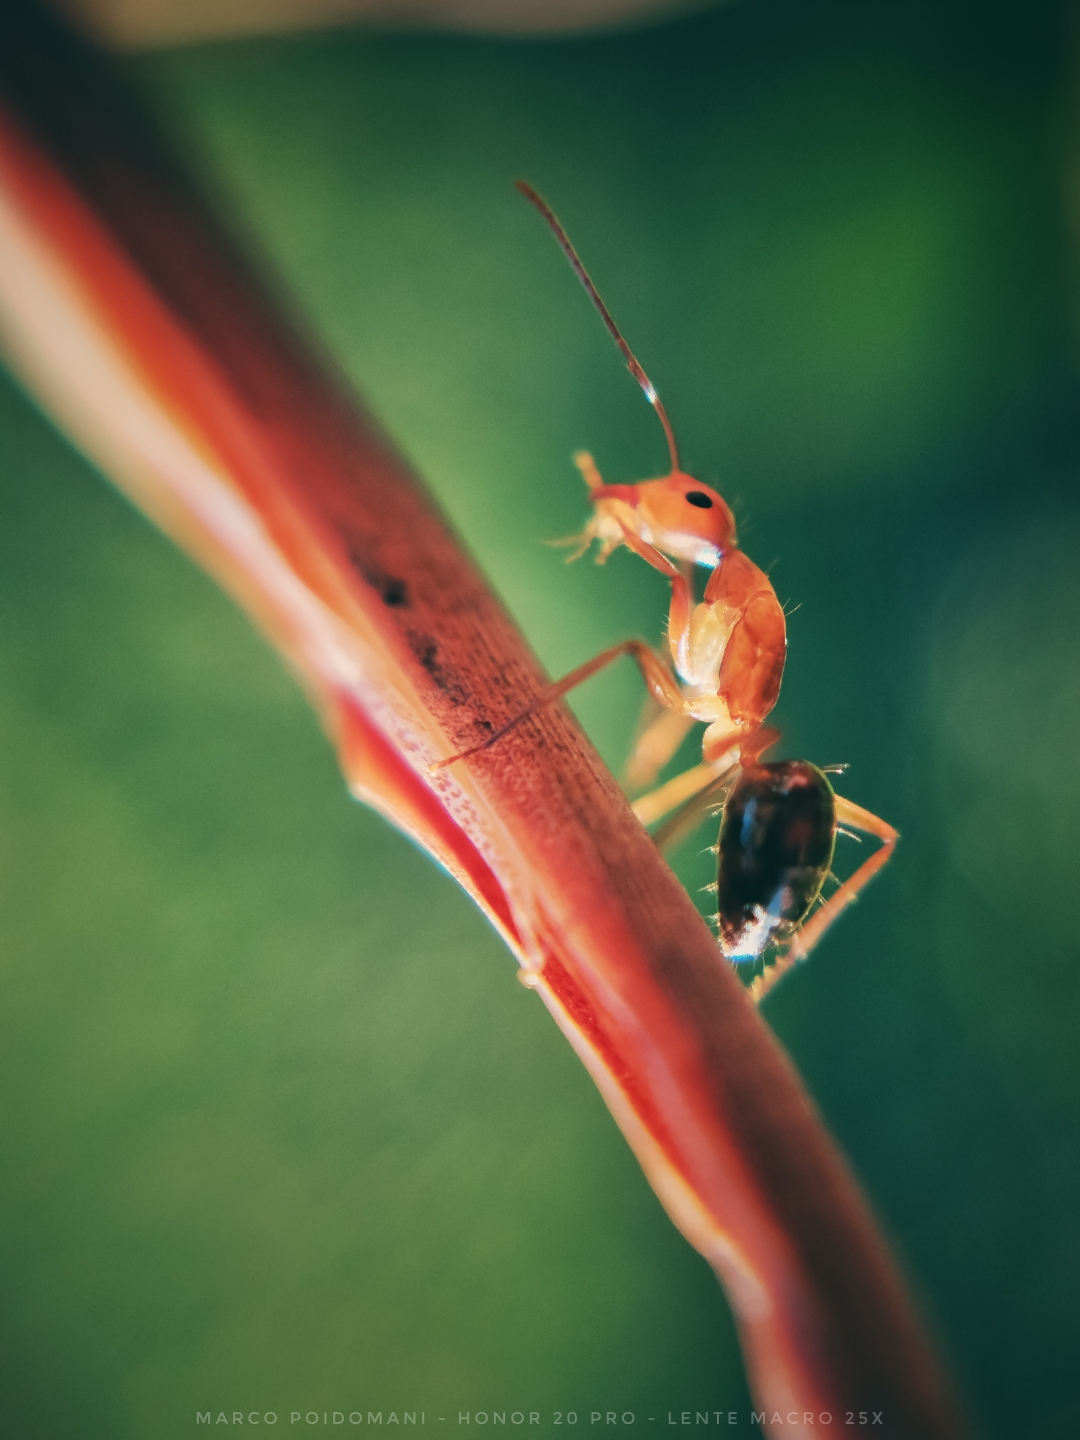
[701,652]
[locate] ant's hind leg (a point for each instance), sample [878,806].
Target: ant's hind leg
[808,936]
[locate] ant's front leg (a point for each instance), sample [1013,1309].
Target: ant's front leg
[681,595]
[661,684]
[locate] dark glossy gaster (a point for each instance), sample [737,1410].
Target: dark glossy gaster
[775,851]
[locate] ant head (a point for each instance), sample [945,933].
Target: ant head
[687,520]
[679,515]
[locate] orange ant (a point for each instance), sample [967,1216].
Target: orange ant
[779,820]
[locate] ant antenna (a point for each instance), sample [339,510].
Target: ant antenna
[605,314]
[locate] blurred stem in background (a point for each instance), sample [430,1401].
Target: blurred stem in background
[135,23]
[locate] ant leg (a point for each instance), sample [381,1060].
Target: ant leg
[708,801]
[659,679]
[717,761]
[685,787]
[681,595]
[655,744]
[807,937]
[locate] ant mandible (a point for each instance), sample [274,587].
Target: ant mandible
[779,820]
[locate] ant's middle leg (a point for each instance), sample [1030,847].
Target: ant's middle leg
[658,738]
[661,684]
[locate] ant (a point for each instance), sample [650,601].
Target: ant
[779,820]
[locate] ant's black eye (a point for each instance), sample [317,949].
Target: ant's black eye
[700,499]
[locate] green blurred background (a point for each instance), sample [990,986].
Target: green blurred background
[280,1131]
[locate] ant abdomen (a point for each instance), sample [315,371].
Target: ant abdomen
[775,850]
